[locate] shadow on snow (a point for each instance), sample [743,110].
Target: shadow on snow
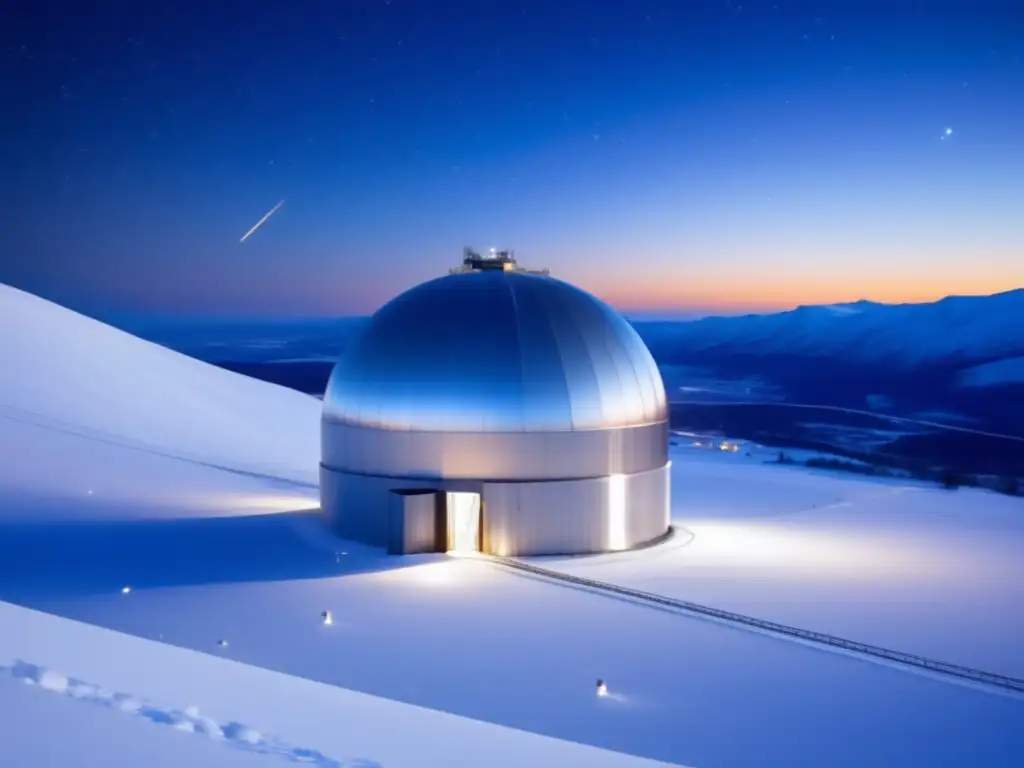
[66,558]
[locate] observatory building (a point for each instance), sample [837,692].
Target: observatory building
[500,410]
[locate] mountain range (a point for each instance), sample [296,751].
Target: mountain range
[959,329]
[962,354]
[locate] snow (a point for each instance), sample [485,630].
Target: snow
[431,660]
[67,372]
[1007,371]
[524,653]
[314,723]
[889,562]
[112,485]
[41,730]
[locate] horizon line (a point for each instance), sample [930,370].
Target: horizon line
[681,313]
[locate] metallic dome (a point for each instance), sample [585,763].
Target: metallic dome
[496,351]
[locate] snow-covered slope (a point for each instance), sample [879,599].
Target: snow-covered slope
[1007,371]
[140,469]
[955,328]
[202,560]
[69,372]
[248,709]
[99,736]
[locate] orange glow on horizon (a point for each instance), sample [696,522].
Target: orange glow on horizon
[770,278]
[760,293]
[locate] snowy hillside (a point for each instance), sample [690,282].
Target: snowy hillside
[163,575]
[1007,371]
[128,469]
[316,724]
[67,372]
[955,328]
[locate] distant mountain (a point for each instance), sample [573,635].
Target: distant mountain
[962,356]
[1009,370]
[956,330]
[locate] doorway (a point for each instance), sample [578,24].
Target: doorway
[463,513]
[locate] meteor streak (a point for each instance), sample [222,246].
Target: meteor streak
[261,222]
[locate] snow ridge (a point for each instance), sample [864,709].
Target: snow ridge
[73,370]
[1009,370]
[37,419]
[957,328]
[189,720]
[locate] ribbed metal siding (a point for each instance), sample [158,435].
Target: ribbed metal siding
[648,505]
[412,522]
[494,456]
[531,518]
[356,506]
[572,517]
[545,518]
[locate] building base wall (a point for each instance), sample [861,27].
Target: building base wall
[412,522]
[499,456]
[550,517]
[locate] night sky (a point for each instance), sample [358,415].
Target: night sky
[680,156]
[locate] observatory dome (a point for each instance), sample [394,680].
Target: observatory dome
[496,410]
[496,351]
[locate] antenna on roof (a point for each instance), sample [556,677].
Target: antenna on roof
[503,260]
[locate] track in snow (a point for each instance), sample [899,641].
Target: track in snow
[959,673]
[189,720]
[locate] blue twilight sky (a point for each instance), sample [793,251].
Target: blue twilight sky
[676,155]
